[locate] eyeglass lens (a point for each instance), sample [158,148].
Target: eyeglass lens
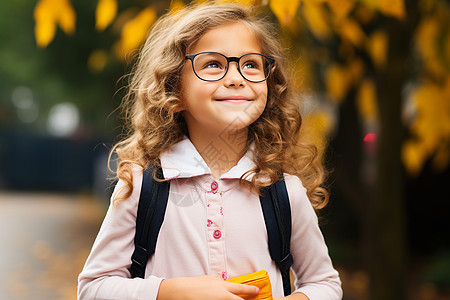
[213,66]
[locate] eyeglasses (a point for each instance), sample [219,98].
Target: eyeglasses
[213,66]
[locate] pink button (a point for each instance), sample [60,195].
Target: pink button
[214,186]
[217,234]
[224,275]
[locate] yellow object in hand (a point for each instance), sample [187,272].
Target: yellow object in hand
[259,279]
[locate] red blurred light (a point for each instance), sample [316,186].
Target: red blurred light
[370,138]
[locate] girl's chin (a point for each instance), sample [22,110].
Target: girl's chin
[237,122]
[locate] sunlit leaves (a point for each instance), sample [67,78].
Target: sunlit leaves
[337,80]
[135,31]
[413,156]
[340,78]
[430,128]
[366,100]
[376,47]
[284,10]
[50,13]
[316,18]
[393,8]
[341,8]
[351,31]
[105,13]
[432,40]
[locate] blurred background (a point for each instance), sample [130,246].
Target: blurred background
[373,80]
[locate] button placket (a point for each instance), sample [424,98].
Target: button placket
[215,230]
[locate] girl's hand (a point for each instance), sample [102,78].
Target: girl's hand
[203,288]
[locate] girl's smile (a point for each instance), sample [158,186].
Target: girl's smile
[234,99]
[231,102]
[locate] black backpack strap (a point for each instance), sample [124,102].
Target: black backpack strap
[150,216]
[277,215]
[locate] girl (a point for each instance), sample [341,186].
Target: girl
[210,104]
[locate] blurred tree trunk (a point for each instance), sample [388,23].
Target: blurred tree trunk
[386,227]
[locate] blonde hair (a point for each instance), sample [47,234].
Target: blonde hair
[153,104]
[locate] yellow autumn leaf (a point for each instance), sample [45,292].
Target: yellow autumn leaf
[431,127]
[376,47]
[45,27]
[338,80]
[433,114]
[315,17]
[176,5]
[135,31]
[413,157]
[341,8]
[97,60]
[105,13]
[284,10]
[65,16]
[366,100]
[351,31]
[50,13]
[427,41]
[393,8]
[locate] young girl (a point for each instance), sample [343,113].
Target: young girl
[209,102]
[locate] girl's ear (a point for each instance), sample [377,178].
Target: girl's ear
[180,107]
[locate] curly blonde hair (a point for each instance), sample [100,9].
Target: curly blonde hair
[152,104]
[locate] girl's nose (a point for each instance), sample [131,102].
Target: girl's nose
[233,76]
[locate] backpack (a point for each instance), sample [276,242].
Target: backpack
[150,216]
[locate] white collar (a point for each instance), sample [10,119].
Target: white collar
[182,160]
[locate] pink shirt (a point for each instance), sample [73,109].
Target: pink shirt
[212,227]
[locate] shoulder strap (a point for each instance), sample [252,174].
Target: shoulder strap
[277,215]
[150,216]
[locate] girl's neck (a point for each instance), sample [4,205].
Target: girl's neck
[220,150]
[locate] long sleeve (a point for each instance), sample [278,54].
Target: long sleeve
[105,274]
[315,275]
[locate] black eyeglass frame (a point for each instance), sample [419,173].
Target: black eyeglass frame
[191,57]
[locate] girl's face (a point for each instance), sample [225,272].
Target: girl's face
[231,102]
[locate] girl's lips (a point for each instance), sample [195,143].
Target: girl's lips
[234,99]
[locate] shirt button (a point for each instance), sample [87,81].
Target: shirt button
[214,187]
[217,234]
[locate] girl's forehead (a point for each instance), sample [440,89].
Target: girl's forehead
[229,39]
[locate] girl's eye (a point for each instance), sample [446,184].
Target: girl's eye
[250,65]
[213,65]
